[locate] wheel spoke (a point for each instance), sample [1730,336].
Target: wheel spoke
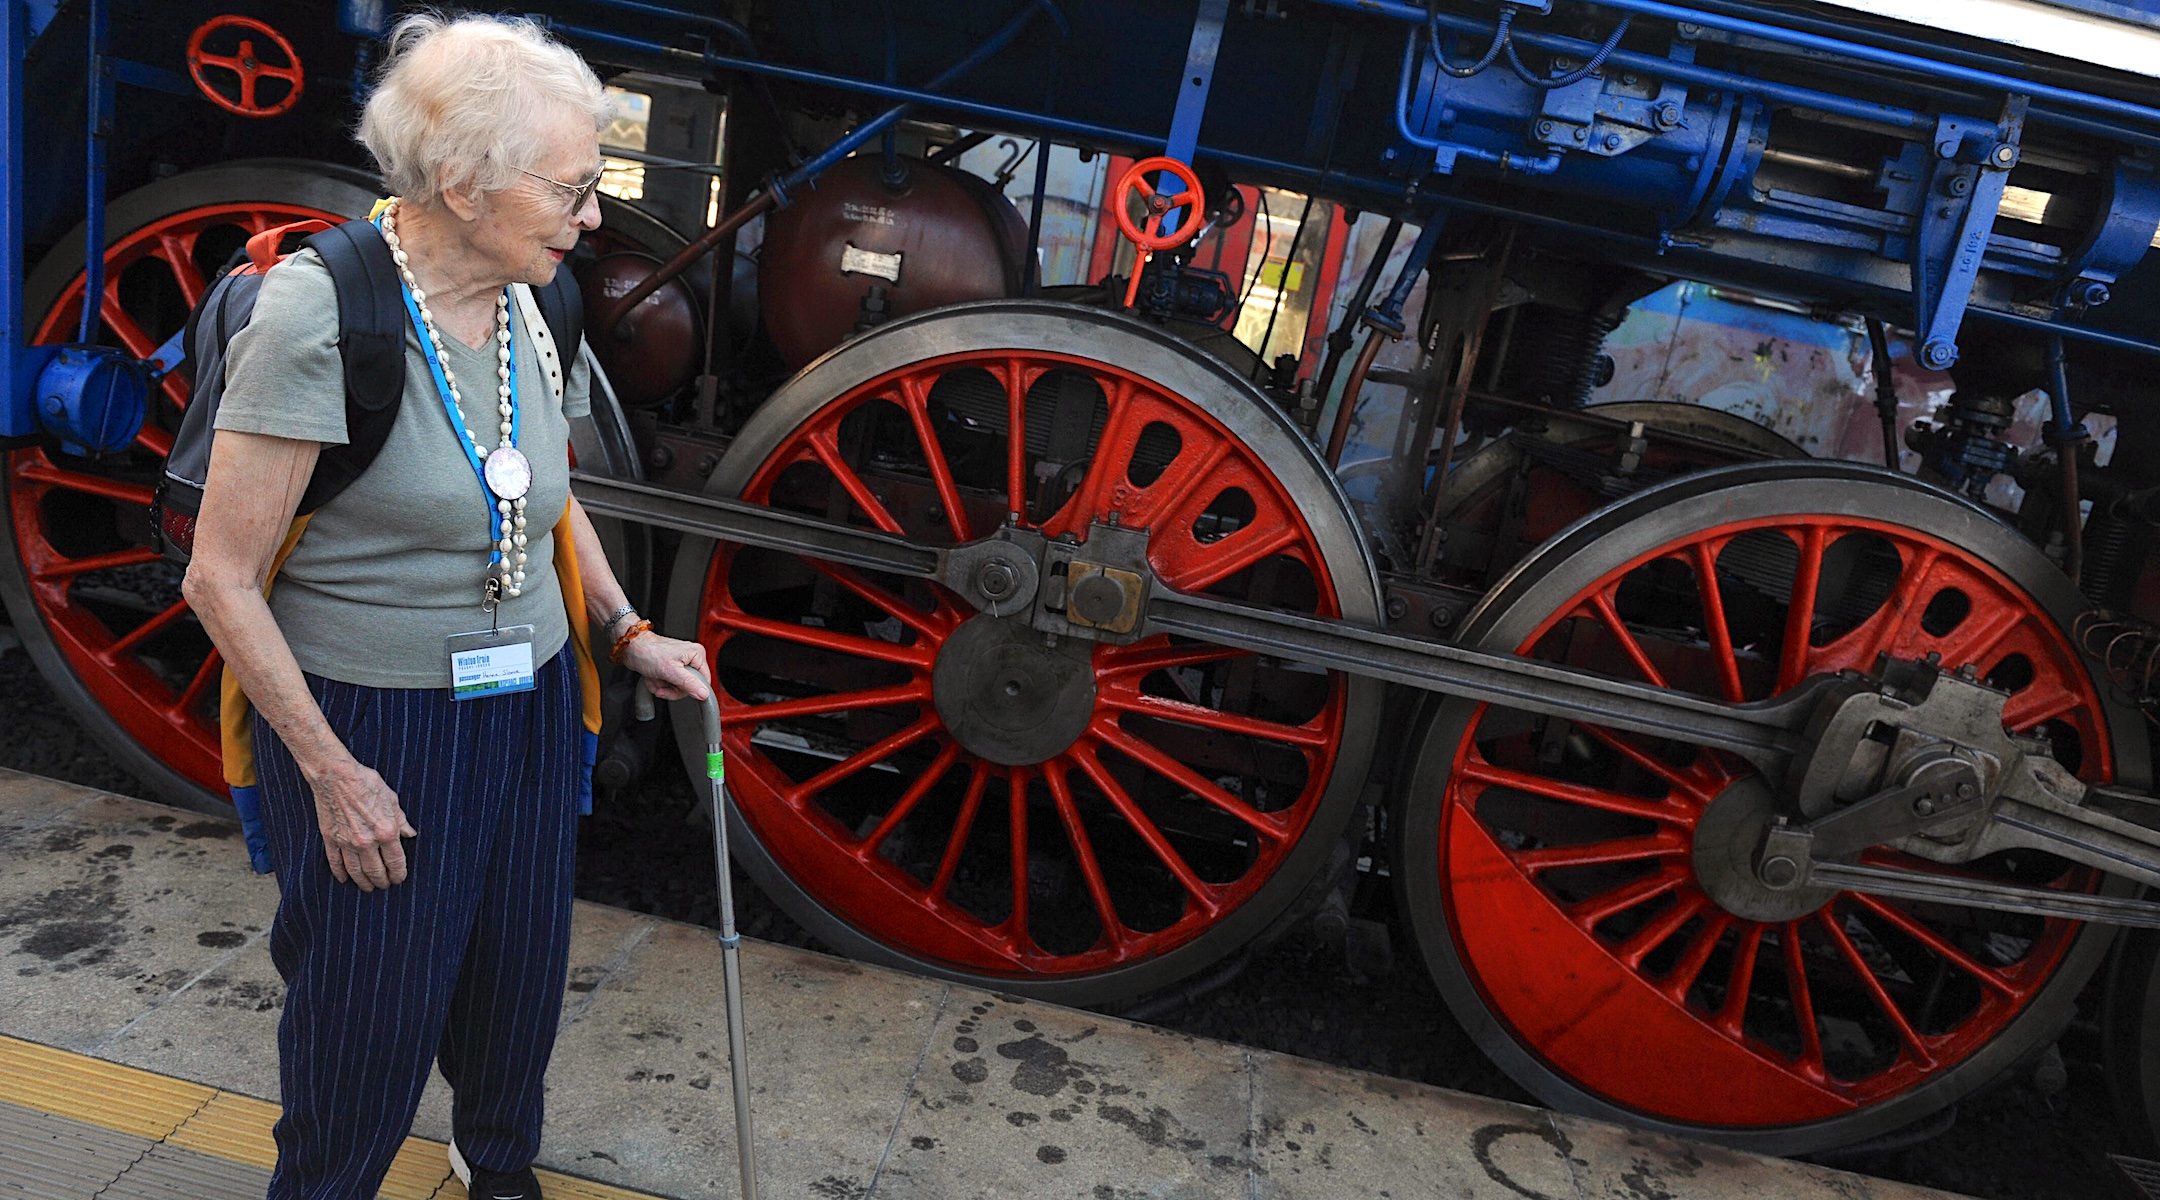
[915,397]
[1662,844]
[1732,1014]
[810,706]
[1800,616]
[1236,552]
[956,841]
[1308,736]
[1987,977]
[1203,895]
[1810,1063]
[1144,659]
[1979,635]
[1107,465]
[212,670]
[858,491]
[177,251]
[935,624]
[1714,628]
[1587,913]
[1685,972]
[1858,965]
[908,800]
[138,341]
[824,639]
[1881,631]
[1608,616]
[93,485]
[1478,770]
[1679,781]
[2036,703]
[1655,931]
[145,631]
[1083,848]
[1187,471]
[865,757]
[68,568]
[1267,825]
[1014,376]
[1016,788]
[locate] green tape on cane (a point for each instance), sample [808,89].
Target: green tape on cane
[715,769]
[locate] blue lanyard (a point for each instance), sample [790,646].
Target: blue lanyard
[457,419]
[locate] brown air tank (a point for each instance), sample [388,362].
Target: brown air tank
[939,236]
[655,349]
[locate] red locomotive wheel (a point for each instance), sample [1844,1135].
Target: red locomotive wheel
[99,612]
[1551,869]
[924,784]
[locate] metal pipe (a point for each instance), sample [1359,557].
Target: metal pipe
[727,228]
[1338,342]
[95,121]
[1886,401]
[1812,43]
[1031,270]
[1503,159]
[1282,285]
[2068,434]
[1387,324]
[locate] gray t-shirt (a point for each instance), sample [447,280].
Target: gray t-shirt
[395,564]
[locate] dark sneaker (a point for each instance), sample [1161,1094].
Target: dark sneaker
[493,1185]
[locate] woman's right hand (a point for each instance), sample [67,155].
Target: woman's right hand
[362,823]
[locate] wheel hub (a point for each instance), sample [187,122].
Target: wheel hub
[1010,694]
[1726,840]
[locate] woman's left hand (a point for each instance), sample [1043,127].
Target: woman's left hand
[673,668]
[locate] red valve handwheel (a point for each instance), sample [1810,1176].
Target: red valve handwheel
[245,66]
[1192,200]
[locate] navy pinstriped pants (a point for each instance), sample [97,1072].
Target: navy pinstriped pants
[463,963]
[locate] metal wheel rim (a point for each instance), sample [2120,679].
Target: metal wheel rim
[1560,571]
[1048,329]
[155,731]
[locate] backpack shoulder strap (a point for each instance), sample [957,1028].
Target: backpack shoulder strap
[562,305]
[371,343]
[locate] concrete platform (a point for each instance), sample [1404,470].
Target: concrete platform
[133,934]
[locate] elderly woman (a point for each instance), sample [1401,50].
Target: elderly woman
[421,811]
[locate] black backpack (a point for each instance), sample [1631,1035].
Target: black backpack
[371,343]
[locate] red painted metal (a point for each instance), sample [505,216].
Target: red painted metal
[843,867]
[1678,1009]
[177,724]
[245,66]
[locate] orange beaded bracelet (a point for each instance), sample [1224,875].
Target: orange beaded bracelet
[623,643]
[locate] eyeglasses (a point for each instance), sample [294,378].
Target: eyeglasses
[579,192]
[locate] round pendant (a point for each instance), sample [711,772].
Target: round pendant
[509,476]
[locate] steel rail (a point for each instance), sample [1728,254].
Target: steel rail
[1765,733]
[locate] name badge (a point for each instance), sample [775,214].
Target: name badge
[492,662]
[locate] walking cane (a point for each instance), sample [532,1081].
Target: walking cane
[730,941]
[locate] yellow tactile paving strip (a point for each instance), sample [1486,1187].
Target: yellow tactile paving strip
[224,1125]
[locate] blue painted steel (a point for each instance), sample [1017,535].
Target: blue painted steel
[41,13]
[143,75]
[1957,214]
[100,99]
[1193,86]
[1447,153]
[2144,12]
[92,398]
[18,416]
[364,18]
[1387,317]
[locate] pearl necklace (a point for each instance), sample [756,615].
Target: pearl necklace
[510,529]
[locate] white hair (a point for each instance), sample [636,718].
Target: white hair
[462,101]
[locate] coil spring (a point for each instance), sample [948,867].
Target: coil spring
[2127,648]
[1556,356]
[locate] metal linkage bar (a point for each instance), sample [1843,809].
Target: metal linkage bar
[754,525]
[1978,893]
[1766,733]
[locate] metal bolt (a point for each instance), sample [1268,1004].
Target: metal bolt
[1958,185]
[1688,30]
[995,580]
[2094,294]
[1779,872]
[1582,135]
[1924,806]
[1938,354]
[1544,128]
[1440,617]
[1966,791]
[2006,156]
[661,458]
[706,464]
[1397,608]
[1668,116]
[1613,141]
